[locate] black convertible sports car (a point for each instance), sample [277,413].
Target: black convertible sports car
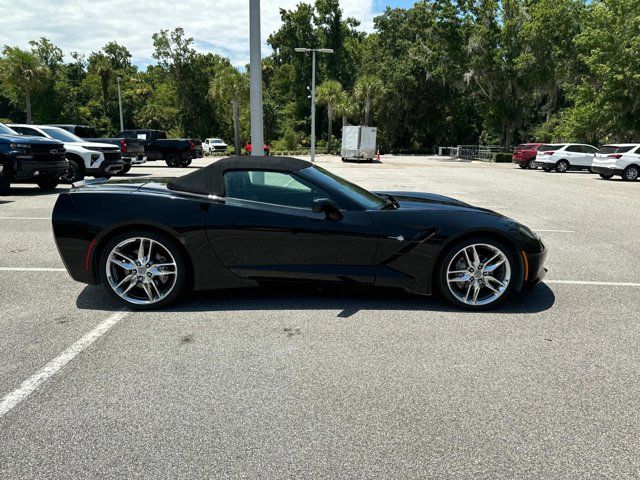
[243,221]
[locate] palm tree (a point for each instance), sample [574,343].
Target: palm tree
[229,85]
[347,108]
[367,88]
[329,93]
[24,73]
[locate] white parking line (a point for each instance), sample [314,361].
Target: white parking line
[25,218]
[589,282]
[54,366]
[31,269]
[552,231]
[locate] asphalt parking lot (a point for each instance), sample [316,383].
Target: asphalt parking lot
[330,384]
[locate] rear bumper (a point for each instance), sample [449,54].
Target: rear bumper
[30,170]
[520,160]
[607,170]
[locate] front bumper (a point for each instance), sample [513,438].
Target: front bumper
[607,170]
[30,170]
[534,268]
[107,167]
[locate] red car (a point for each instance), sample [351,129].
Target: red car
[525,155]
[247,148]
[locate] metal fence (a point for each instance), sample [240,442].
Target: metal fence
[474,152]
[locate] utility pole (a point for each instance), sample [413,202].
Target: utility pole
[119,79]
[313,93]
[255,86]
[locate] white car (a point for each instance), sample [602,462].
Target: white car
[85,158]
[211,145]
[621,159]
[563,157]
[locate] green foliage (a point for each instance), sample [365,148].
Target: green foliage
[442,72]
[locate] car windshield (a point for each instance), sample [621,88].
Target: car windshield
[62,135]
[4,130]
[217,140]
[606,149]
[368,200]
[546,148]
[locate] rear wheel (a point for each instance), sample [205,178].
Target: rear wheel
[125,170]
[531,164]
[477,273]
[47,184]
[562,166]
[631,173]
[185,162]
[143,270]
[172,160]
[606,176]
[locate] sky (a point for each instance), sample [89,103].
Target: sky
[218,26]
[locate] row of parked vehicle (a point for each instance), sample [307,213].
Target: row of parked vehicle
[620,159]
[50,154]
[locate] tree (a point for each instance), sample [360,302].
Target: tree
[23,73]
[230,86]
[329,93]
[367,88]
[347,107]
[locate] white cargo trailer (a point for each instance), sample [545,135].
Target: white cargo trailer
[358,143]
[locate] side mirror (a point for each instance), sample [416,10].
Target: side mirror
[327,206]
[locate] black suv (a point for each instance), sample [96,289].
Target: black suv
[25,159]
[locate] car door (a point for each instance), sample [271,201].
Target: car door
[264,229]
[573,153]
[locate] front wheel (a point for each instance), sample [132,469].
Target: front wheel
[143,270]
[477,274]
[125,170]
[185,162]
[173,160]
[5,185]
[606,176]
[75,173]
[48,184]
[631,173]
[562,166]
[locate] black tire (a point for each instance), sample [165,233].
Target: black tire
[125,170]
[185,162]
[631,173]
[454,250]
[523,166]
[172,160]
[165,241]
[531,164]
[562,166]
[48,184]
[5,185]
[103,175]
[606,176]
[75,172]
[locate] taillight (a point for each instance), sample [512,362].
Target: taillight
[549,153]
[616,156]
[123,145]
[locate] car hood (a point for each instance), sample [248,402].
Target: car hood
[431,201]
[30,140]
[94,145]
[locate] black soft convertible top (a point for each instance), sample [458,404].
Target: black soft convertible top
[209,180]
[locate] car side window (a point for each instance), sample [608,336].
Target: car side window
[277,188]
[574,148]
[28,131]
[588,149]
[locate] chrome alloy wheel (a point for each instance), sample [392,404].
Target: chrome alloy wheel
[141,271]
[478,274]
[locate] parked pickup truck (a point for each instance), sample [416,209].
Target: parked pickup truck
[175,152]
[132,149]
[30,160]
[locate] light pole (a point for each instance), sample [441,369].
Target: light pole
[119,79]
[313,93]
[255,84]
